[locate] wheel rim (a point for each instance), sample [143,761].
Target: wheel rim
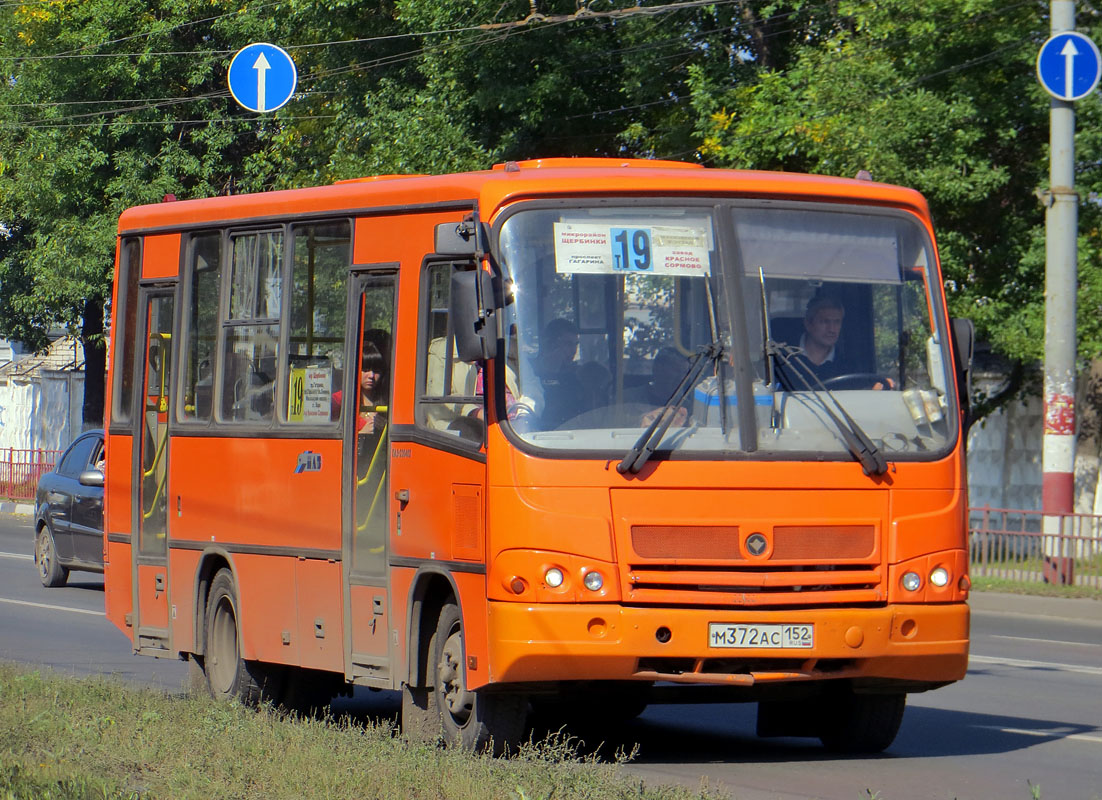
[458,701]
[222,656]
[44,554]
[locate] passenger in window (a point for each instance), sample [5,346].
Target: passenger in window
[555,366]
[667,369]
[372,390]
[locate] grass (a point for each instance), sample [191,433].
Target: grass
[1034,588]
[77,739]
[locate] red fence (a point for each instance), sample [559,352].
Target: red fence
[1028,546]
[21,469]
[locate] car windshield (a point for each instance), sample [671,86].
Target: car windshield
[790,304]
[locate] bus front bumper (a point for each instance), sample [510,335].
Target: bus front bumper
[917,646]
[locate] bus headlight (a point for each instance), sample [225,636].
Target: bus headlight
[593,581]
[911,581]
[939,577]
[553,577]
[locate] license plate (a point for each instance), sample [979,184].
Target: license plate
[766,637]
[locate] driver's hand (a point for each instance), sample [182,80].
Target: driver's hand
[680,417]
[887,383]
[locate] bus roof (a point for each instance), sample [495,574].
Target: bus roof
[491,189]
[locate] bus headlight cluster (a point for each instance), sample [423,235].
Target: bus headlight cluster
[553,577]
[594,580]
[939,577]
[911,581]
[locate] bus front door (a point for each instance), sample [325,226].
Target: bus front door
[370,359]
[151,623]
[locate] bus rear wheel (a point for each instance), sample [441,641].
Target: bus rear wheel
[472,720]
[228,675]
[861,723]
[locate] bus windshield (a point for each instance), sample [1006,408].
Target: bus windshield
[815,306]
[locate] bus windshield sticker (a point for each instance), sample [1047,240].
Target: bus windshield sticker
[610,248]
[311,397]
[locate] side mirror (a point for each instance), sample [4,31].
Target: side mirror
[457,238]
[964,347]
[472,315]
[91,477]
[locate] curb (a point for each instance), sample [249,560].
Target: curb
[1021,605]
[23,509]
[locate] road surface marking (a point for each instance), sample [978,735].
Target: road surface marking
[51,607]
[22,556]
[1046,641]
[1079,737]
[1016,662]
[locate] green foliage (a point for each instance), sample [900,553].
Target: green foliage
[106,104]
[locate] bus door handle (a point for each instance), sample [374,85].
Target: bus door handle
[402,496]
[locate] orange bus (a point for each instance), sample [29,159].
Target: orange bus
[567,434]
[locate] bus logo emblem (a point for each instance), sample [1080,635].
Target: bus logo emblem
[756,544]
[308,462]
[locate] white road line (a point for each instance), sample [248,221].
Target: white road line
[51,607]
[22,556]
[1079,737]
[1017,662]
[1045,641]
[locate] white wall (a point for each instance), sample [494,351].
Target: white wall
[44,415]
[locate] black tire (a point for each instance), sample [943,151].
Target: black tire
[861,723]
[50,571]
[471,720]
[228,675]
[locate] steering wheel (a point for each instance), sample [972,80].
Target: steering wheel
[858,380]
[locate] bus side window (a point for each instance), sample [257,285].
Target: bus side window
[204,279]
[450,399]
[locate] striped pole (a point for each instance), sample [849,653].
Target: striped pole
[1061,258]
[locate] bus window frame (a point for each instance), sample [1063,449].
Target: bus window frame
[727,206]
[130,269]
[276,426]
[436,438]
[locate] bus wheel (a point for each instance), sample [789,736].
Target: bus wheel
[472,720]
[861,723]
[50,572]
[228,675]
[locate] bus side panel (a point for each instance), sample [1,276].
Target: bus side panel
[320,619]
[268,603]
[182,568]
[118,580]
[161,256]
[476,646]
[401,580]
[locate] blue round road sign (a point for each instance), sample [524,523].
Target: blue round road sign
[262,77]
[1069,66]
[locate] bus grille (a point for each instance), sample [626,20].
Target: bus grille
[710,565]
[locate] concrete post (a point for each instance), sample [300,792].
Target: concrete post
[1061,257]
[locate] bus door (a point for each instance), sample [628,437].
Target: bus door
[150,577]
[368,387]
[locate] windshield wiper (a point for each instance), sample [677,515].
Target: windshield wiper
[855,438]
[644,447]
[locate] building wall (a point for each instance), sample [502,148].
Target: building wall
[42,415]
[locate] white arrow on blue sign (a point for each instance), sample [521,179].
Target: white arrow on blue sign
[262,77]
[1069,66]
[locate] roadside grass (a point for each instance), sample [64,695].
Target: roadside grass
[64,738]
[1034,588]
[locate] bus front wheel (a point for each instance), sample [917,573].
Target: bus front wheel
[861,723]
[472,720]
[228,675]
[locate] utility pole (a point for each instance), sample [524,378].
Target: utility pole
[1067,67]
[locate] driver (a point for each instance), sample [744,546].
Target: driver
[820,351]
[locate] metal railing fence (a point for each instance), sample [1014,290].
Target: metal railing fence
[1029,546]
[21,469]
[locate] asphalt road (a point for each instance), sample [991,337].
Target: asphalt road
[1029,712]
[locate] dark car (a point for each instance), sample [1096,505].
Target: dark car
[68,512]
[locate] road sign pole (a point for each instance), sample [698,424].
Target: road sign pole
[1061,280]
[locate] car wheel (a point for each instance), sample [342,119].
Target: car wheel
[50,571]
